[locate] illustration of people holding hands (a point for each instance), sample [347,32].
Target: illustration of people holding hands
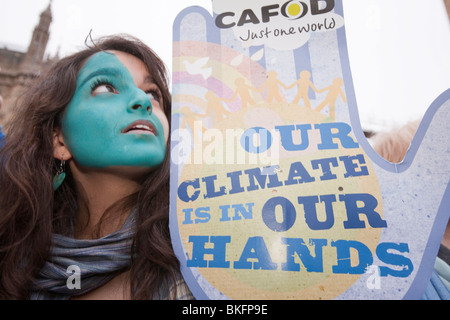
[216,110]
[334,91]
[272,84]
[243,91]
[189,119]
[304,83]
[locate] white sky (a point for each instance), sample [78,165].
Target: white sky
[399,49]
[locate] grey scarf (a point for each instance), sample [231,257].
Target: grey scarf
[76,266]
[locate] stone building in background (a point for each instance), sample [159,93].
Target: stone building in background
[18,68]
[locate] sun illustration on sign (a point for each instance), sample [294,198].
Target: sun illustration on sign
[294,9]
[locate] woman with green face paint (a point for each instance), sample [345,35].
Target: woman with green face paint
[85,181]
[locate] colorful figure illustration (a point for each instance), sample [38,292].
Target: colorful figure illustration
[243,91]
[272,84]
[304,83]
[215,105]
[189,119]
[333,92]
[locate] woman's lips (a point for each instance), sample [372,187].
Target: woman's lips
[140,127]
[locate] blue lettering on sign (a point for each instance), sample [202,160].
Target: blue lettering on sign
[279,214]
[210,252]
[257,178]
[331,133]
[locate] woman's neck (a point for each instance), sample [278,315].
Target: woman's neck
[100,191]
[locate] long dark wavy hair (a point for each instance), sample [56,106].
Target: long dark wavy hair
[30,211]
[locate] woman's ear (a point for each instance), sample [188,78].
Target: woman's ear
[60,150]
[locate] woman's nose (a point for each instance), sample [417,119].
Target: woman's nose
[140,102]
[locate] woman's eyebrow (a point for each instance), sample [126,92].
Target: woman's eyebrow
[149,79]
[113,72]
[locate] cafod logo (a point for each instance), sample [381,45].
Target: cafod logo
[282,26]
[292,10]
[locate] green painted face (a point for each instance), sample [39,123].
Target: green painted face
[109,121]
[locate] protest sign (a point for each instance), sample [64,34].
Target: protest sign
[275,191]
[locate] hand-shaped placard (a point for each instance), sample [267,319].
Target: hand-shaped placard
[275,191]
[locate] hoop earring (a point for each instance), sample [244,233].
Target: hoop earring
[58,179]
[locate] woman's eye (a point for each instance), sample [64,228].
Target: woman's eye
[103,88]
[153,95]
